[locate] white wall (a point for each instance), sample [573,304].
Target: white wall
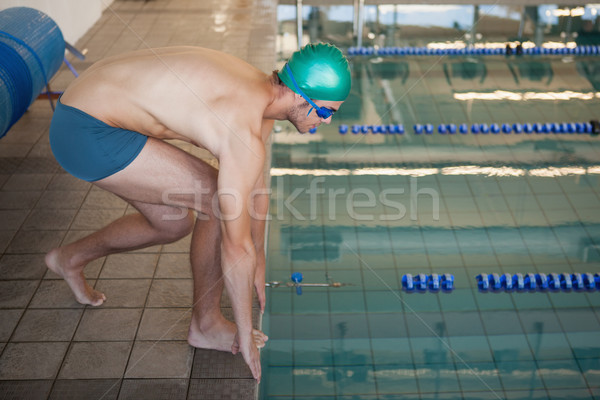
[74,17]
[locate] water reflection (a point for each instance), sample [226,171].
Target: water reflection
[591,72]
[465,70]
[301,244]
[534,71]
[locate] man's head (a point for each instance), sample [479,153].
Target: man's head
[321,75]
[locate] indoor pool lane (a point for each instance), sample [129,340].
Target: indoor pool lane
[365,210]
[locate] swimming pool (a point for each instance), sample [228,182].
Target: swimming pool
[366,209]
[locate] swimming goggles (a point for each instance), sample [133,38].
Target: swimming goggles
[322,112]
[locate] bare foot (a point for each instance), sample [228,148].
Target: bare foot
[219,335]
[83,292]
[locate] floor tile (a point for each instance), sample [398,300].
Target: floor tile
[180,246]
[55,294]
[170,293]
[91,271]
[27,182]
[124,292]
[12,219]
[95,360]
[63,181]
[19,200]
[47,326]
[129,266]
[42,219]
[25,266]
[160,359]
[76,389]
[164,324]
[31,360]
[174,265]
[35,241]
[29,389]
[95,219]
[101,199]
[209,364]
[61,199]
[112,324]
[9,319]
[16,294]
[5,239]
[222,389]
[133,389]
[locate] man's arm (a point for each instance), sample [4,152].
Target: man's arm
[259,216]
[260,209]
[240,165]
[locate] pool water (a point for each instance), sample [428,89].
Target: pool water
[366,209]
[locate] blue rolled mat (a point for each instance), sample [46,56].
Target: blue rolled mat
[32,48]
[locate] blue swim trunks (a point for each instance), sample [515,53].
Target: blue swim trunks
[88,148]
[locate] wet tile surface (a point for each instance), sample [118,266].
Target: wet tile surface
[160,359]
[99,325]
[29,389]
[95,360]
[31,360]
[222,389]
[47,325]
[75,389]
[150,389]
[134,346]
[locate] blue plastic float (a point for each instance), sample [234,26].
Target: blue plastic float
[591,128]
[508,50]
[432,283]
[552,282]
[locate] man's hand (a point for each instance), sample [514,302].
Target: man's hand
[250,351]
[259,283]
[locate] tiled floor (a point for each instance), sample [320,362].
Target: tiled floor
[135,345]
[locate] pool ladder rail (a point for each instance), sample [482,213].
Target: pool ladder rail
[296,281]
[538,282]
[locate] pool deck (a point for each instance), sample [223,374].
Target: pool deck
[134,346]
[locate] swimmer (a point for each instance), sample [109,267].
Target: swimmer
[110,128]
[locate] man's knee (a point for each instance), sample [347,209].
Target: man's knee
[206,192]
[175,227]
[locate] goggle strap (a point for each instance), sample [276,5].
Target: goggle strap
[300,92]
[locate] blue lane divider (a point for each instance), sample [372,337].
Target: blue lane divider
[376,129]
[591,128]
[587,50]
[432,283]
[538,282]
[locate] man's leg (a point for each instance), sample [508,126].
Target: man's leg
[163,174]
[131,232]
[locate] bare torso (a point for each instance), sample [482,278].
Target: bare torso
[198,95]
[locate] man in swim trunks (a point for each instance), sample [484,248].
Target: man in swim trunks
[109,128]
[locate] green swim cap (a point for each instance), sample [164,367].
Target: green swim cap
[321,71]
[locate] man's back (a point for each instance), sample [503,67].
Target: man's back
[189,93]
